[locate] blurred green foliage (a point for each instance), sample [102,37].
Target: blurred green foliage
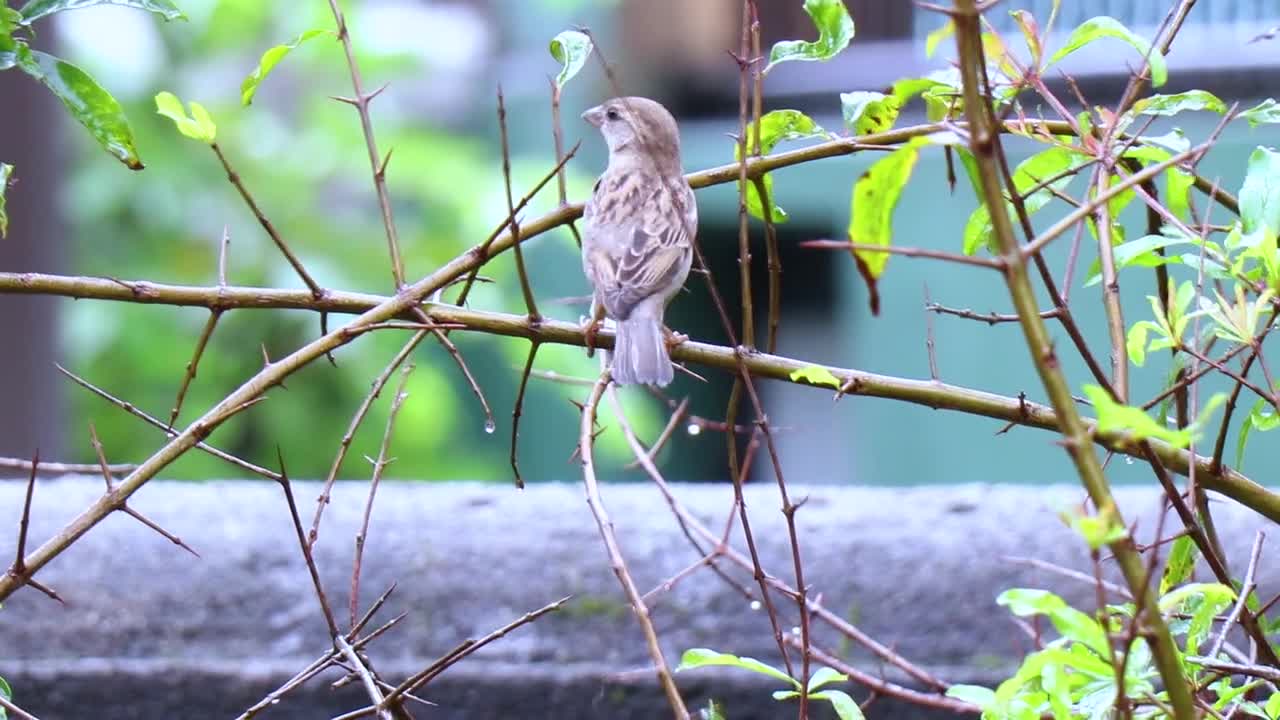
[303,157]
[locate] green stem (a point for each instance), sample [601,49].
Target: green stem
[983,137]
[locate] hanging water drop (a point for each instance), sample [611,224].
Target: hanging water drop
[755,604]
[694,429]
[490,426]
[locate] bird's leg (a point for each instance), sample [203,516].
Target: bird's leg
[592,326]
[672,337]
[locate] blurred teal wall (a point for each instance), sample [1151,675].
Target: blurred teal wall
[877,441]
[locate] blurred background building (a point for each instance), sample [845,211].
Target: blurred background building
[74,210]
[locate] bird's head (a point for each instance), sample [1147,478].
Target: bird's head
[636,126]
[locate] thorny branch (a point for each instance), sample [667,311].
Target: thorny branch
[1014,261]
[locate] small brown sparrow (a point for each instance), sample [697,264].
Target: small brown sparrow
[637,240]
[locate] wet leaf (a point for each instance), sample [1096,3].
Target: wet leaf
[875,195]
[1108,27]
[571,49]
[869,112]
[775,127]
[86,100]
[270,59]
[835,30]
[37,9]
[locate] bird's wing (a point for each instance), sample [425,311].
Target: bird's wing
[649,249]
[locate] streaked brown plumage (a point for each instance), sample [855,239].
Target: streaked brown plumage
[637,240]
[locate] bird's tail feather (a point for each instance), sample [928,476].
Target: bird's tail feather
[640,353]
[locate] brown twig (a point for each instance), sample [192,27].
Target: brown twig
[988,318]
[48,468]
[976,261]
[616,561]
[518,408]
[16,711]
[691,525]
[379,465]
[677,416]
[124,507]
[525,287]
[19,567]
[360,101]
[1111,290]
[1264,672]
[464,649]
[154,422]
[307,556]
[773,256]
[886,688]
[366,677]
[1246,589]
[234,178]
[190,373]
[323,662]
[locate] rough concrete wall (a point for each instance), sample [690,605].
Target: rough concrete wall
[152,632]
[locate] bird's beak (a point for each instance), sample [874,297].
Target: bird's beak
[594,116]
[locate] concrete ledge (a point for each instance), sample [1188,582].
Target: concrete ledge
[152,632]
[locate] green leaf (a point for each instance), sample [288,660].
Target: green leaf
[199,126]
[975,694]
[1135,341]
[1265,112]
[1097,530]
[713,711]
[845,707]
[1261,418]
[868,112]
[1204,601]
[1053,162]
[815,375]
[1249,707]
[1238,321]
[87,102]
[1178,191]
[1030,33]
[1260,193]
[823,676]
[1272,707]
[37,9]
[7,692]
[875,195]
[1182,560]
[932,40]
[571,49]
[835,30]
[775,127]
[9,20]
[270,59]
[1100,27]
[1114,417]
[8,46]
[780,125]
[1164,105]
[1140,252]
[702,657]
[755,205]
[1069,622]
[5,171]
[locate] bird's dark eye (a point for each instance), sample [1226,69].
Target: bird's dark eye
[612,114]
